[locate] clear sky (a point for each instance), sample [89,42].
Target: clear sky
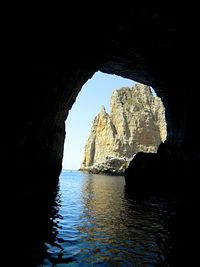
[95,93]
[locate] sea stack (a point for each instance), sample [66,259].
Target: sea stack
[136,123]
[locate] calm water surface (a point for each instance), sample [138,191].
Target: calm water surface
[96,223]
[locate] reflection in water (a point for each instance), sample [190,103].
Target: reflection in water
[95,222]
[48,230]
[31,221]
[102,227]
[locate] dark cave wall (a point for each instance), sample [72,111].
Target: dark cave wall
[34,129]
[138,43]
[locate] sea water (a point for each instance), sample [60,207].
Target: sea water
[95,222]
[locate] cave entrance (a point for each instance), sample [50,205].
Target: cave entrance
[98,92]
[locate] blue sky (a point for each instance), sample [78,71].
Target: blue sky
[95,93]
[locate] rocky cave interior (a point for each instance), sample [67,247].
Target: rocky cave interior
[141,46]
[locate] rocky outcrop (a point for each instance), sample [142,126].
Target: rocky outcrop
[151,44]
[136,123]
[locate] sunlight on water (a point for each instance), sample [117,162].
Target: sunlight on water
[96,223]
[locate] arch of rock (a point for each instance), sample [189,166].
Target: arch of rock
[136,43]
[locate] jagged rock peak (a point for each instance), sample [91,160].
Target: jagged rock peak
[102,110]
[136,123]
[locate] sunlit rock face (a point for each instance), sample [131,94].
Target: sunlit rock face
[148,44]
[136,123]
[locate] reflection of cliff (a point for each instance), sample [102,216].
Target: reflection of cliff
[136,123]
[101,206]
[115,229]
[101,228]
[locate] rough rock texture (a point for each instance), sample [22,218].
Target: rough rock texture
[136,123]
[148,44]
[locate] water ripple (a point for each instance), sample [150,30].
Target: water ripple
[96,223]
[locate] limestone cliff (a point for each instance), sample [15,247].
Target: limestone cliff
[136,123]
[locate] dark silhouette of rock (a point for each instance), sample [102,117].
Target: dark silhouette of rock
[153,46]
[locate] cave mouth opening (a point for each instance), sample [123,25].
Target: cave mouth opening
[94,94]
